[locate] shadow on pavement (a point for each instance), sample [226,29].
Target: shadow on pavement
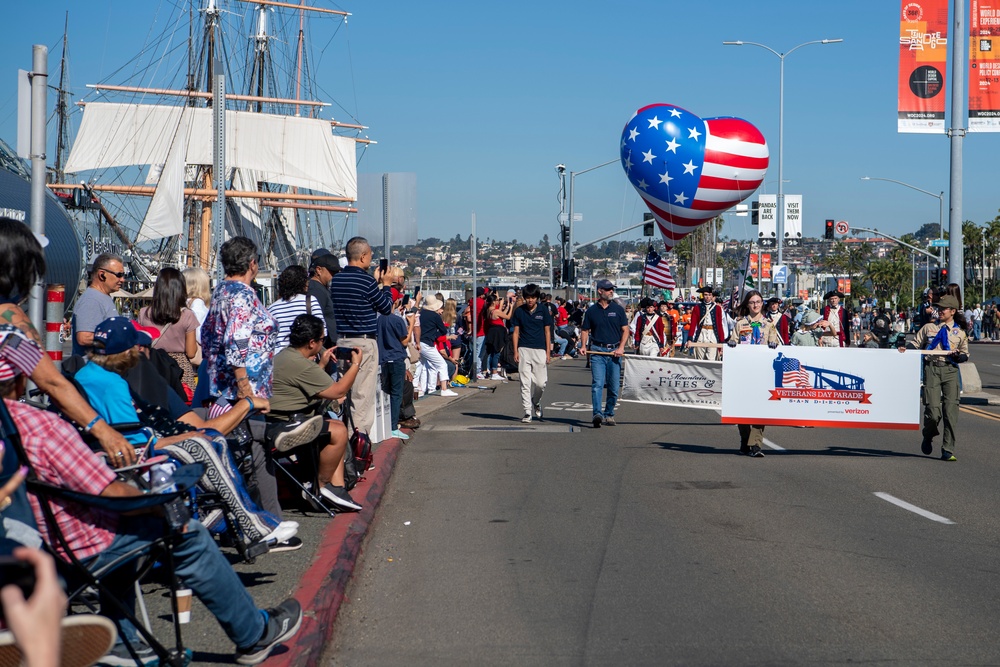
[829,451]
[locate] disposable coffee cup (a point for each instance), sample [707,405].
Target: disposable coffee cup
[184,605]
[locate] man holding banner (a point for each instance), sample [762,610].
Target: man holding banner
[604,332]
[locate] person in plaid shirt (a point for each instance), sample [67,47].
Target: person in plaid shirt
[98,537]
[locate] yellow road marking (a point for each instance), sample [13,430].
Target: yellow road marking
[979,413]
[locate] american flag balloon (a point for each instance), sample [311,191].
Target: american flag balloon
[688,169]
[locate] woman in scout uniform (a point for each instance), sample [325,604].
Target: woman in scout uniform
[752,328]
[941,375]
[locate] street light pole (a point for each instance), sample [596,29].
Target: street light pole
[982,230]
[780,217]
[940,198]
[572,180]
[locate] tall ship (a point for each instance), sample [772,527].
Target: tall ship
[142,176]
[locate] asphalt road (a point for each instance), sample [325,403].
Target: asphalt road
[655,543]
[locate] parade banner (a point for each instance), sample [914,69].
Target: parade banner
[984,66]
[679,382]
[793,220]
[923,49]
[765,266]
[753,267]
[820,386]
[767,226]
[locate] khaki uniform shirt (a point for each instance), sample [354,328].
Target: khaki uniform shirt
[740,332]
[957,338]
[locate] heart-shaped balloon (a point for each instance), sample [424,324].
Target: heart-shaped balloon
[689,170]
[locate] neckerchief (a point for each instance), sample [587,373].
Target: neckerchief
[941,339]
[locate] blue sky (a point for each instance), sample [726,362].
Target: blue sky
[482,100]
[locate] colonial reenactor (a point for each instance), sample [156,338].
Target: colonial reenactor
[778,319]
[707,325]
[653,334]
[941,377]
[839,334]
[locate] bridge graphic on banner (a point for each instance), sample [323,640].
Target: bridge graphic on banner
[792,381]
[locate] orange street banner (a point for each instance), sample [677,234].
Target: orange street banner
[765,266]
[923,51]
[753,265]
[984,66]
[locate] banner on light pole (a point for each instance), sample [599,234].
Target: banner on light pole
[984,66]
[923,51]
[767,231]
[793,220]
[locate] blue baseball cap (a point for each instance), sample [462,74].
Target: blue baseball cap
[116,334]
[605,285]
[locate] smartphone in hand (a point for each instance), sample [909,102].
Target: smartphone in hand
[383,266]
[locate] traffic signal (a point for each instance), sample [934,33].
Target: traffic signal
[755,213]
[648,227]
[829,230]
[942,276]
[569,271]
[556,277]
[563,234]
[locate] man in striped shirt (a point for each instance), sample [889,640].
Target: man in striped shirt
[358,299]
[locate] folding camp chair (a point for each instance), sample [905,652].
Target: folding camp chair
[79,577]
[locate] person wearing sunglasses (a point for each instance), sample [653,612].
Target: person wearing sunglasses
[95,304]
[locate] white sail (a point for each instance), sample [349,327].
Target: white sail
[299,152]
[165,215]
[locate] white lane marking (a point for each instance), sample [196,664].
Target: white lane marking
[913,508]
[767,443]
[773,446]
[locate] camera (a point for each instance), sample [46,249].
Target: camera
[19,573]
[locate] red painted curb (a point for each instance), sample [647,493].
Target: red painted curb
[321,589]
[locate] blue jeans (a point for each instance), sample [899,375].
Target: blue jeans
[480,351]
[199,565]
[977,329]
[563,343]
[605,371]
[393,376]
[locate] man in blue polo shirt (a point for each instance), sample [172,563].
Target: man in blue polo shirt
[358,299]
[604,332]
[532,350]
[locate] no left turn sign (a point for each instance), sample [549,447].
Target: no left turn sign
[842,227]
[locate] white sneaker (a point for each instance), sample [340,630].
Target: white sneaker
[496,376]
[285,531]
[448,392]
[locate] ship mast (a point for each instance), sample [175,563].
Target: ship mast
[62,109]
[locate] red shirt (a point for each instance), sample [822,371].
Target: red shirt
[477,305]
[60,458]
[562,317]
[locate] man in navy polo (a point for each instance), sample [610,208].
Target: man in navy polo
[358,299]
[605,331]
[532,350]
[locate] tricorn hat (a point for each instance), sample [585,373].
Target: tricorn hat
[706,290]
[833,293]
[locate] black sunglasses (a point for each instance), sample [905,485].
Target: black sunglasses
[116,274]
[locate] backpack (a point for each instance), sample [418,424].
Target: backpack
[358,457]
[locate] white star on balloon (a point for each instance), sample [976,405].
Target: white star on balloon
[665,178]
[675,113]
[642,184]
[628,162]
[672,145]
[633,133]
[680,199]
[648,156]
[693,133]
[689,167]
[654,123]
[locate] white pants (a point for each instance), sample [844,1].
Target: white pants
[706,353]
[533,373]
[433,369]
[648,347]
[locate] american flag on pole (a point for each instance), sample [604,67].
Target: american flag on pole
[688,169]
[793,375]
[657,273]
